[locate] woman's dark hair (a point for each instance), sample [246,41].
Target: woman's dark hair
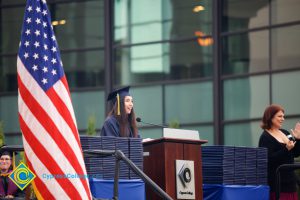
[125,120]
[269,113]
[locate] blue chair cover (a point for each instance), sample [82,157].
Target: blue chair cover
[235,192]
[133,189]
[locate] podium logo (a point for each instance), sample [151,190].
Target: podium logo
[22,176]
[185,175]
[185,179]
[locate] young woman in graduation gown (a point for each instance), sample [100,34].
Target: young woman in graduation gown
[120,121]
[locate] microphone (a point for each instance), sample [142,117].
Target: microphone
[138,119]
[291,137]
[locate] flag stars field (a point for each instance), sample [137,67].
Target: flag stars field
[35,55]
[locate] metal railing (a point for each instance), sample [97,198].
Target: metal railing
[293,167]
[119,155]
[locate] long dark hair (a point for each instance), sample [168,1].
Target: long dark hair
[269,113]
[125,121]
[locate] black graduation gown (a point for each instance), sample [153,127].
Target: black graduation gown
[111,128]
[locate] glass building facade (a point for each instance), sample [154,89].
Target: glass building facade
[209,65]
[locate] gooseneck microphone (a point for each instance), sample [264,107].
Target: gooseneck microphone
[138,119]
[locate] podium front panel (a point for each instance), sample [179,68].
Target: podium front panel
[160,165]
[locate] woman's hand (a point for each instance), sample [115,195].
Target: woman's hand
[9,196]
[296,131]
[290,144]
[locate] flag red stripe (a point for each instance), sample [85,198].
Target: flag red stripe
[50,127]
[43,190]
[47,159]
[65,83]
[63,111]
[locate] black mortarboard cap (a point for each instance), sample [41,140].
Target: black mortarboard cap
[121,92]
[4,150]
[10,149]
[118,94]
[9,153]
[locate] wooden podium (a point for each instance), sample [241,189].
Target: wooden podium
[159,164]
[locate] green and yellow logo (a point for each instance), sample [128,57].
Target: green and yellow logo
[22,176]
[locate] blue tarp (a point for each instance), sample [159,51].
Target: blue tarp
[235,192]
[133,189]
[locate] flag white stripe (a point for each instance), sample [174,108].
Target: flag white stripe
[50,145]
[50,109]
[41,169]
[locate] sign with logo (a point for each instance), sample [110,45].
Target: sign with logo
[185,179]
[22,176]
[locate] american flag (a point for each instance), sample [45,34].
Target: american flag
[49,130]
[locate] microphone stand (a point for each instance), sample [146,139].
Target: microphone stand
[157,125]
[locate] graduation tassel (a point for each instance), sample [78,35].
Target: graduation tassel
[14,160]
[118,105]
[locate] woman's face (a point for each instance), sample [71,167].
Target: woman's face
[5,162]
[278,119]
[128,104]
